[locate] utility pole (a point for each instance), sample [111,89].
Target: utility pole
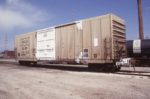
[5,45]
[5,41]
[141,33]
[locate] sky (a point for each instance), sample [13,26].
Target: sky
[22,16]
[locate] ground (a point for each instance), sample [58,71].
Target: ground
[58,82]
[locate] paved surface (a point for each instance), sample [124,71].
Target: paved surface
[7,60]
[62,82]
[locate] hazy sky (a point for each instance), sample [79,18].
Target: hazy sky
[21,16]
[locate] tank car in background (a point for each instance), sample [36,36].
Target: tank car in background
[139,50]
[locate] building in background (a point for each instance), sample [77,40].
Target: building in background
[7,54]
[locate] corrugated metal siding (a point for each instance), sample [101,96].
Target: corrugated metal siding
[106,37]
[87,38]
[26,45]
[46,44]
[95,37]
[119,37]
[78,41]
[96,30]
[65,42]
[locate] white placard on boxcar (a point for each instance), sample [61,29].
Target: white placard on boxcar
[137,46]
[95,42]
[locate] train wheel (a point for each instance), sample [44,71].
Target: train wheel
[24,63]
[34,63]
[102,67]
[21,62]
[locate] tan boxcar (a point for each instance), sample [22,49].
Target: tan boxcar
[25,47]
[94,40]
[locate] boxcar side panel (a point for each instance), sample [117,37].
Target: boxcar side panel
[58,50]
[96,40]
[26,46]
[87,38]
[46,44]
[106,38]
[63,43]
[71,42]
[78,40]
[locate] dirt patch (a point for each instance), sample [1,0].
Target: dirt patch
[18,82]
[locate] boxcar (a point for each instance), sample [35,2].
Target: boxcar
[97,40]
